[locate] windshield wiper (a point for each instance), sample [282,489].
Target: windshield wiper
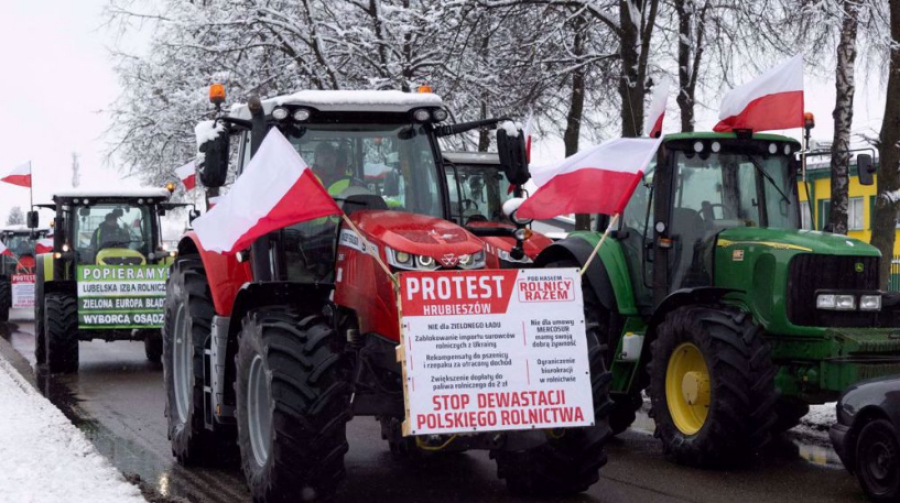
[761,171]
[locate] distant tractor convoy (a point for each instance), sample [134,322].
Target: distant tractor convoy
[707,296]
[20,242]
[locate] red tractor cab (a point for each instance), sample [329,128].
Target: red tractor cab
[275,348]
[478,188]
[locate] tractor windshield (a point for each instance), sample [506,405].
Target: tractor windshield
[113,234]
[720,191]
[19,244]
[390,166]
[477,193]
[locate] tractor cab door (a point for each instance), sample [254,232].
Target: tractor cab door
[636,236]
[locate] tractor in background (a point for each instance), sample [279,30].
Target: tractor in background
[478,189]
[20,241]
[710,296]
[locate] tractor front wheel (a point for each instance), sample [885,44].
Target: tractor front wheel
[293,404]
[61,333]
[5,300]
[712,386]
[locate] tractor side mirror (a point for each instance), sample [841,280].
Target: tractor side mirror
[865,169]
[214,168]
[513,157]
[33,220]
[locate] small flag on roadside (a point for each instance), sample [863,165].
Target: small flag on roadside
[188,175]
[277,189]
[657,110]
[20,175]
[774,100]
[599,180]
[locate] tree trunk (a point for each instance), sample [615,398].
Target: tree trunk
[572,133]
[631,82]
[843,117]
[884,229]
[690,52]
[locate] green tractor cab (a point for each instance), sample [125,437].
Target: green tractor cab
[711,297]
[105,276]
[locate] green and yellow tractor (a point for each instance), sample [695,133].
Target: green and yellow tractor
[709,295]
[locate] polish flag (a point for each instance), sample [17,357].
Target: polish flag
[188,175]
[5,251]
[20,175]
[277,189]
[773,100]
[599,180]
[44,245]
[657,110]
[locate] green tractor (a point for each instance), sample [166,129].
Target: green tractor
[105,276]
[710,296]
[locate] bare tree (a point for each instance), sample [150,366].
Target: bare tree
[76,170]
[885,225]
[16,217]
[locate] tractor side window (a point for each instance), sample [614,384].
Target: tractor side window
[481,193]
[636,236]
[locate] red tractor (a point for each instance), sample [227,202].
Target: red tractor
[478,190]
[277,347]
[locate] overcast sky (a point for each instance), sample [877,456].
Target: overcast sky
[57,78]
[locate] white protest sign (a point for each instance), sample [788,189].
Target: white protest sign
[22,290]
[494,350]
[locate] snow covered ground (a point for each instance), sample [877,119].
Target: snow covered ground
[44,458]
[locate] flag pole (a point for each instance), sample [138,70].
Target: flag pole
[609,228]
[30,188]
[375,255]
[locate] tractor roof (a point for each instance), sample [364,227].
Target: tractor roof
[113,193]
[487,158]
[21,229]
[709,135]
[347,101]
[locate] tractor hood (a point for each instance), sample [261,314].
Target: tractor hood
[417,234]
[795,240]
[532,246]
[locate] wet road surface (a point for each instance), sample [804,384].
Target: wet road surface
[117,399]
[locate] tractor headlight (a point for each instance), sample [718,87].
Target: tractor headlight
[421,115]
[473,261]
[825,301]
[425,261]
[870,303]
[280,113]
[439,115]
[301,114]
[506,257]
[844,302]
[410,262]
[403,258]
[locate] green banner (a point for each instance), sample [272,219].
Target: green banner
[112,297]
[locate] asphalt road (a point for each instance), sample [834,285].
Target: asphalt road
[117,399]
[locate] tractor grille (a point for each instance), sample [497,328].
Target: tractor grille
[874,370]
[122,261]
[809,273]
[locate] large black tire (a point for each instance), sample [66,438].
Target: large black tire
[61,332]
[40,345]
[742,393]
[308,389]
[153,346]
[5,300]
[878,461]
[624,413]
[188,313]
[569,463]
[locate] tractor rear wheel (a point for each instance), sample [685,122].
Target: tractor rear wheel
[570,462]
[293,404]
[61,332]
[712,386]
[186,326]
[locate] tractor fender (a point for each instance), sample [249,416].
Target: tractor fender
[685,297]
[597,273]
[307,298]
[225,275]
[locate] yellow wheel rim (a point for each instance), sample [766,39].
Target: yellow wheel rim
[688,388]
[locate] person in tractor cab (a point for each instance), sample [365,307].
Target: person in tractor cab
[109,232]
[329,171]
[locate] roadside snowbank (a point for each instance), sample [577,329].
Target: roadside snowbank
[44,458]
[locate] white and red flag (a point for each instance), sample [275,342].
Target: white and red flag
[188,175]
[43,245]
[277,189]
[20,175]
[657,110]
[527,132]
[599,180]
[774,100]
[5,251]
